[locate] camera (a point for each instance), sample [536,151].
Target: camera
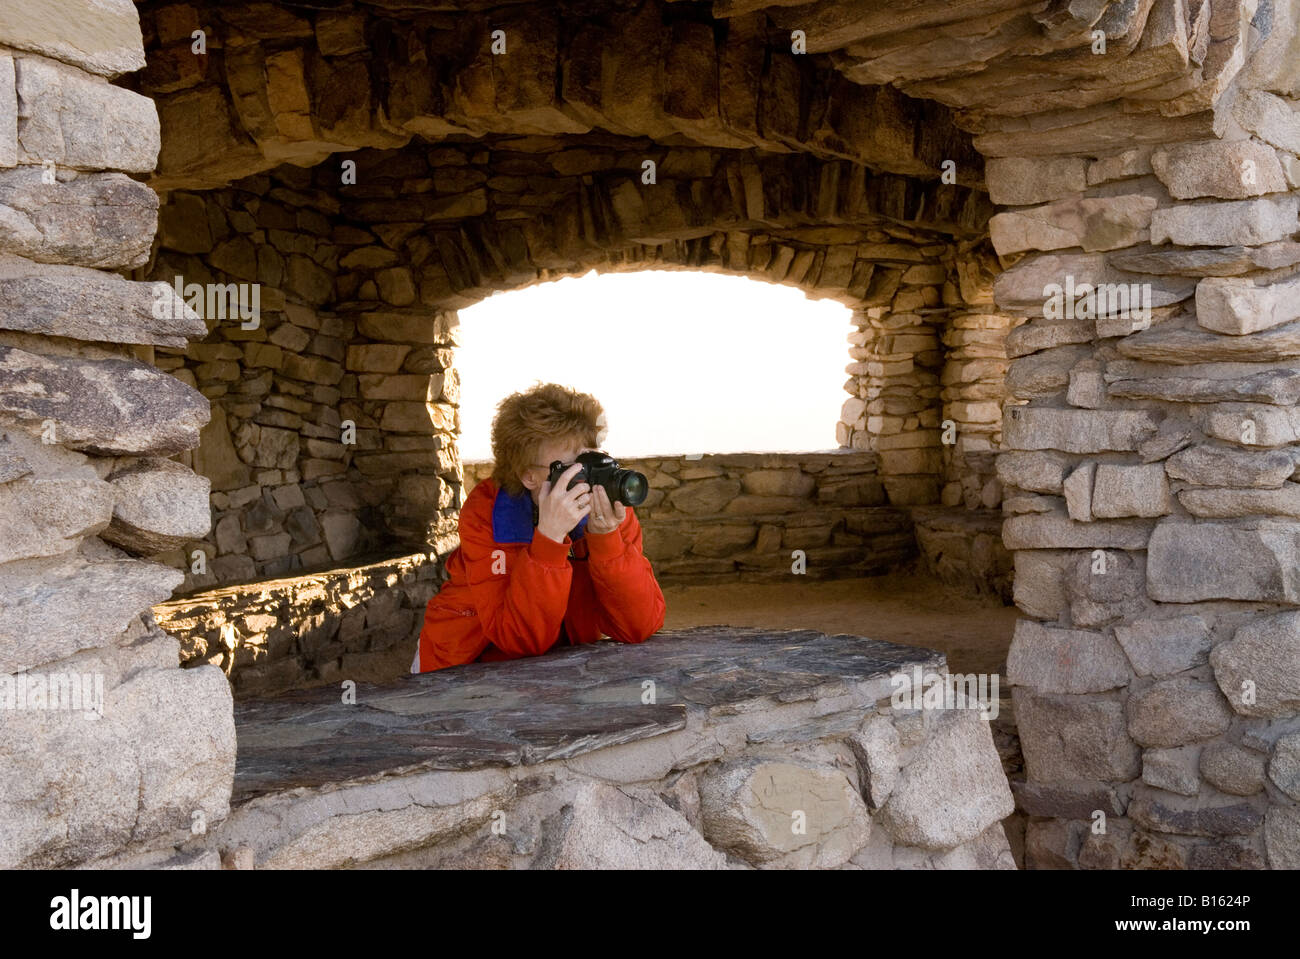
[623,486]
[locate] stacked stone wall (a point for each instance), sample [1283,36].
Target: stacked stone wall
[105,743]
[756,517]
[1147,493]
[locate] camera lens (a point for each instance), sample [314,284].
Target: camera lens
[633,488]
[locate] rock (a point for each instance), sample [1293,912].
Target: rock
[1252,424]
[1064,660]
[1170,816]
[216,458]
[1052,844]
[1041,472]
[82,304]
[354,825]
[55,607]
[789,482]
[1065,738]
[704,497]
[1232,769]
[1046,334]
[952,789]
[1174,712]
[1224,261]
[1038,587]
[1076,431]
[1073,800]
[1239,305]
[12,462]
[1226,503]
[1228,466]
[989,850]
[1087,387]
[1020,181]
[101,36]
[622,827]
[876,747]
[158,505]
[1259,668]
[1078,492]
[408,328]
[1269,117]
[1174,770]
[109,407]
[1091,223]
[1121,166]
[1044,373]
[1253,560]
[1244,222]
[341,532]
[1160,647]
[1225,855]
[1284,767]
[187,764]
[1123,847]
[1108,576]
[1130,491]
[1174,434]
[751,808]
[1230,169]
[80,122]
[1282,837]
[276,448]
[55,499]
[1058,531]
[1197,346]
[101,220]
[1036,282]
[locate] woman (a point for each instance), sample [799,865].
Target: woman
[540,564]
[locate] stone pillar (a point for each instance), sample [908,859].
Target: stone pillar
[106,745]
[895,409]
[1150,495]
[974,383]
[405,386]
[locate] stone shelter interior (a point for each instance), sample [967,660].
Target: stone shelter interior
[278,489]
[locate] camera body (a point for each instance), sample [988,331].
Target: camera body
[599,469]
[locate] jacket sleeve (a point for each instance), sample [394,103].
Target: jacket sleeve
[520,594]
[631,604]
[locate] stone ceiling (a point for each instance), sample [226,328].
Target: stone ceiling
[897,87]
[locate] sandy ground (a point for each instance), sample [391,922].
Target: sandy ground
[905,609]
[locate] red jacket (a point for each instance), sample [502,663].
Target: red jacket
[513,589]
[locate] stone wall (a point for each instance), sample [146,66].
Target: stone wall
[142,750]
[927,383]
[359,623]
[1150,479]
[728,517]
[357,322]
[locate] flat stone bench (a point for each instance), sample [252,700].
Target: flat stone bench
[711,747]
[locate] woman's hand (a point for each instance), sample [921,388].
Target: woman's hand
[559,508]
[605,516]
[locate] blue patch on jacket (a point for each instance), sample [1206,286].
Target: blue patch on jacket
[512,519]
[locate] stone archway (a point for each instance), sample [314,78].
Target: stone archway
[1144,466]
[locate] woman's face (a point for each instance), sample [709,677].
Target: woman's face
[564,450]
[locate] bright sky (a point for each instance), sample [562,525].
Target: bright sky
[683,362]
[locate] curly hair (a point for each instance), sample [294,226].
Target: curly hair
[524,421]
